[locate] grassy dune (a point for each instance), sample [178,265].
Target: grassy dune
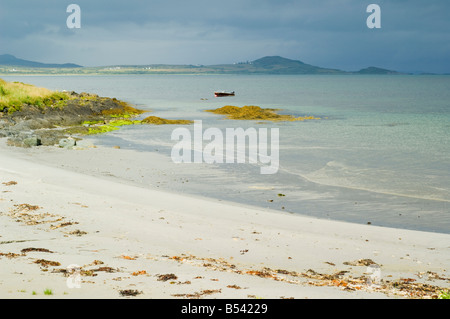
[15,94]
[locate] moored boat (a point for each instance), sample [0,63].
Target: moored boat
[223,93]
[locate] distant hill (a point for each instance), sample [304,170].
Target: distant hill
[279,64]
[265,65]
[273,65]
[8,59]
[375,70]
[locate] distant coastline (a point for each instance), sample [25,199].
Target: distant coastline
[10,65]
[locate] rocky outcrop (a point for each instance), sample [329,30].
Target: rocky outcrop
[34,126]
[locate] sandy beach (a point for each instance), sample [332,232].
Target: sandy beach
[89,207]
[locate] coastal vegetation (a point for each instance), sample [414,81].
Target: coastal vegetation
[18,96]
[13,95]
[251,112]
[444,295]
[33,116]
[160,121]
[101,127]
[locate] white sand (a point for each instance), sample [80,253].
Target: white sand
[97,191]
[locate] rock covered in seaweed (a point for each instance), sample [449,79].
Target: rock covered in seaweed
[44,122]
[251,112]
[160,121]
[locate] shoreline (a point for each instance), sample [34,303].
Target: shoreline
[127,237]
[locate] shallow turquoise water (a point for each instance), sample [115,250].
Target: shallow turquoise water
[380,153]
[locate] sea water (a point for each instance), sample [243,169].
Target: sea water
[379,154]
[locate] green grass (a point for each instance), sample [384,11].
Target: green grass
[444,295]
[48,292]
[15,94]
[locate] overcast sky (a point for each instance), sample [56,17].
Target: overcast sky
[414,34]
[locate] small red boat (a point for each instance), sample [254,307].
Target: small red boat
[221,94]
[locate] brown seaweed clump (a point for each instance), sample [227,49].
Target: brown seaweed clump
[251,112]
[123,110]
[160,121]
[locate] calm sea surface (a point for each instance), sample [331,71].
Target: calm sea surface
[379,154]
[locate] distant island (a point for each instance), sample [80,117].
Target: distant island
[9,64]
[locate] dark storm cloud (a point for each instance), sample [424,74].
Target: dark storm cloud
[332,33]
